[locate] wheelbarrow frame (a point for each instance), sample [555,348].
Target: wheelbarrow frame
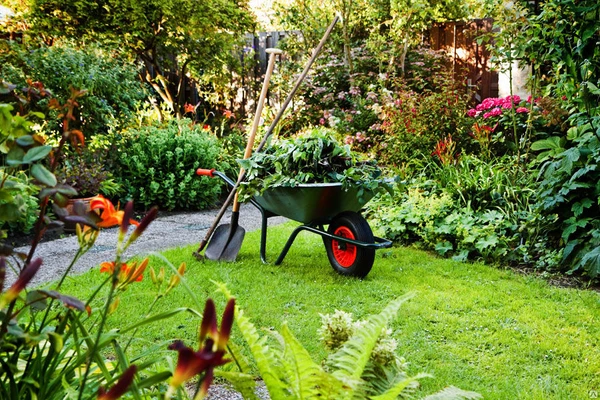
[314,227]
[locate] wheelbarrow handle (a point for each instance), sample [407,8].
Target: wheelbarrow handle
[205,172]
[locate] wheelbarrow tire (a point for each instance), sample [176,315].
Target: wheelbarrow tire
[345,258]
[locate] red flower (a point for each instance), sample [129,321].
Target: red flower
[120,387]
[191,363]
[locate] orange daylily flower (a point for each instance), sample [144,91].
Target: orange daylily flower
[189,108]
[127,273]
[109,215]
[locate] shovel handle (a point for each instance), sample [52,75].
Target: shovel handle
[205,172]
[269,131]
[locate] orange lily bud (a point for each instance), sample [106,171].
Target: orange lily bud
[115,304]
[161,275]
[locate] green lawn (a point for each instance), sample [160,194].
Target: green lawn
[504,335]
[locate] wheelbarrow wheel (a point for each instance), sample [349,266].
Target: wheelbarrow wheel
[346,258]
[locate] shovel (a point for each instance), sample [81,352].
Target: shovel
[268,133]
[227,239]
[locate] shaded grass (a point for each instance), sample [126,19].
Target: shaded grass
[504,335]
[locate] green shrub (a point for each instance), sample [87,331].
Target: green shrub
[472,210]
[157,166]
[113,88]
[569,196]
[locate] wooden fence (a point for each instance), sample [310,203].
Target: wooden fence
[470,60]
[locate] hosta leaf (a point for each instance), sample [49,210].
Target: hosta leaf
[25,141]
[15,156]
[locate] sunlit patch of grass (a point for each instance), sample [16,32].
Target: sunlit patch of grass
[480,328]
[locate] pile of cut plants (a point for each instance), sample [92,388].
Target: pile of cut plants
[313,156]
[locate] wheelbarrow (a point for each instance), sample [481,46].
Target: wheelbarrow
[348,240]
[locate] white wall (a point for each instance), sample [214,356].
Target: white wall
[519,81]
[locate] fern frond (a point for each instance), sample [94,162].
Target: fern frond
[400,387]
[454,393]
[349,362]
[307,379]
[381,378]
[243,383]
[267,361]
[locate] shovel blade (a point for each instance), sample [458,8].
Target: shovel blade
[225,243]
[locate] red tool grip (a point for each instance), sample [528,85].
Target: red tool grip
[205,172]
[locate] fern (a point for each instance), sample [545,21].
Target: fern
[290,373]
[307,379]
[267,362]
[349,362]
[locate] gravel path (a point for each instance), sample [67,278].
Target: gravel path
[167,231]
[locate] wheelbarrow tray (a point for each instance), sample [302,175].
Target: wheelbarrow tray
[315,203]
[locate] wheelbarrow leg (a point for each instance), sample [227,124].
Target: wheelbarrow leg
[288,244]
[263,236]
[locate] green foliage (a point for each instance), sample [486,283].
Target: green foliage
[157,164]
[566,58]
[471,210]
[172,38]
[18,203]
[114,92]
[312,158]
[416,121]
[352,370]
[569,194]
[20,148]
[55,346]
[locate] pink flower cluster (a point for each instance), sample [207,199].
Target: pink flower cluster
[493,106]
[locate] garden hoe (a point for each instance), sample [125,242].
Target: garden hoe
[262,143]
[227,239]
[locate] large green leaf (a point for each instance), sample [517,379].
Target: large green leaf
[36,154]
[42,175]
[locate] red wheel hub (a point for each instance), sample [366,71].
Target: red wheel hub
[344,253]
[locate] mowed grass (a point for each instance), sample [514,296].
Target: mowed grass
[502,334]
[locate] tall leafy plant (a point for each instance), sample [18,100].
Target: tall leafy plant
[570,193]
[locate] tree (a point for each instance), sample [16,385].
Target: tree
[172,38]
